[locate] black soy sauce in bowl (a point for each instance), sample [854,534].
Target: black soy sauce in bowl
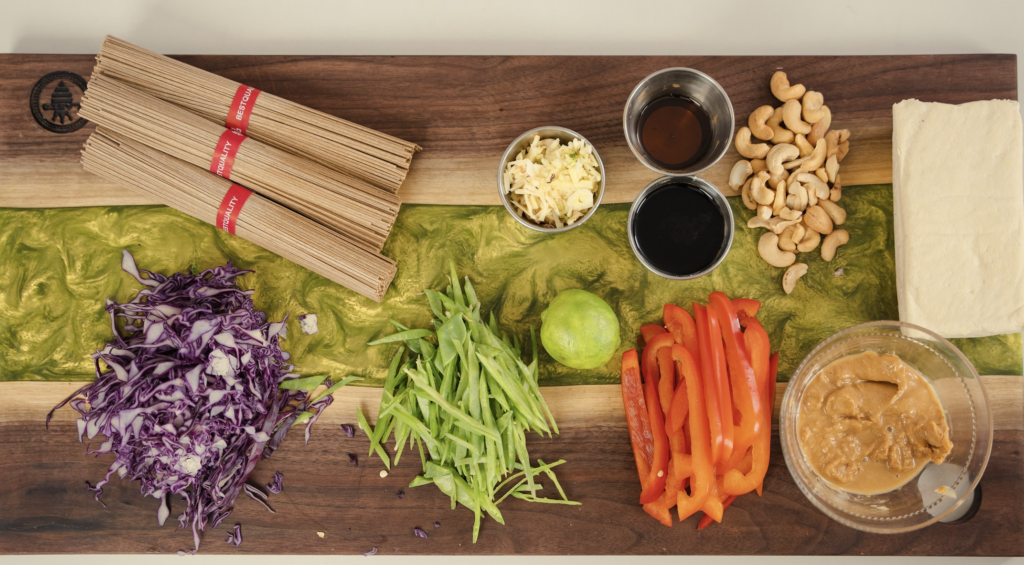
[680,228]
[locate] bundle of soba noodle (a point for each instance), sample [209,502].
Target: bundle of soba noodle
[364,153]
[353,208]
[201,195]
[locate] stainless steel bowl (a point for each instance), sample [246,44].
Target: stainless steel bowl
[695,85]
[546,132]
[716,196]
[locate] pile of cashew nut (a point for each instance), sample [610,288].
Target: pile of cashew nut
[792,180]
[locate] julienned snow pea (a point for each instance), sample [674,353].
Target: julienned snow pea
[466,404]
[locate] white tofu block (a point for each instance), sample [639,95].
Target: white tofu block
[959,216]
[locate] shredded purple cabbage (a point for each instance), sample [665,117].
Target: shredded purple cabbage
[401,495]
[419,533]
[276,487]
[189,401]
[348,429]
[235,536]
[353,459]
[371,552]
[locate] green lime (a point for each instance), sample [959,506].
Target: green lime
[579,330]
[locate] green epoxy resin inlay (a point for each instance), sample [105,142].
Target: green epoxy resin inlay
[58,265]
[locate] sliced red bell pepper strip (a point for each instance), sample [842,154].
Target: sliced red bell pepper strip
[773,374]
[681,464]
[746,308]
[649,361]
[637,420]
[700,443]
[713,505]
[706,520]
[709,398]
[666,380]
[654,487]
[682,327]
[756,340]
[660,510]
[722,392]
[680,402]
[650,330]
[672,485]
[745,392]
[735,481]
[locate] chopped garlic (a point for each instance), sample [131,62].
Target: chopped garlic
[553,184]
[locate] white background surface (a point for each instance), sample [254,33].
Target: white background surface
[552,27]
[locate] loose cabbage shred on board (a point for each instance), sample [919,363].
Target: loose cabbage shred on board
[194,393]
[466,403]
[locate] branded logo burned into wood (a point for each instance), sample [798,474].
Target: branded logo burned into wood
[58,112]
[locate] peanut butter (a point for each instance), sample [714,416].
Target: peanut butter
[868,423]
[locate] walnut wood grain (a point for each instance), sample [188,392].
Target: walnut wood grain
[465,110]
[48,509]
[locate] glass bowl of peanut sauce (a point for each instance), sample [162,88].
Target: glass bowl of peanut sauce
[895,488]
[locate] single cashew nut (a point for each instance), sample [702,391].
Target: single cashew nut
[812,197]
[832,168]
[786,242]
[740,171]
[768,248]
[759,192]
[782,90]
[775,181]
[791,215]
[791,117]
[812,107]
[745,195]
[747,149]
[758,222]
[816,159]
[780,154]
[765,212]
[831,143]
[834,138]
[821,174]
[792,275]
[780,134]
[843,149]
[835,212]
[813,183]
[758,165]
[779,224]
[837,190]
[780,197]
[757,125]
[802,144]
[818,220]
[798,233]
[795,164]
[798,194]
[810,240]
[832,242]
[818,129]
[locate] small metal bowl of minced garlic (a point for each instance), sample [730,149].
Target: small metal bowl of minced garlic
[551,179]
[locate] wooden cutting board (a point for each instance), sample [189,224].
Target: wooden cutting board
[464,111]
[47,509]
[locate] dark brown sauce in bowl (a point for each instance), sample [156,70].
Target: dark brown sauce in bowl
[675,132]
[679,230]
